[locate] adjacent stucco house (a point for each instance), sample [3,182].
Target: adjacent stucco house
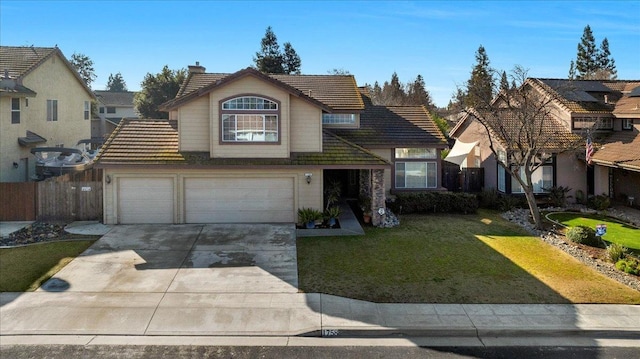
[605,109]
[252,147]
[43,102]
[112,107]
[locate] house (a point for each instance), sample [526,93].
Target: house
[43,102]
[252,147]
[112,107]
[604,110]
[617,160]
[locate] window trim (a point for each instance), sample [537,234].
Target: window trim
[15,112]
[352,115]
[630,123]
[593,121]
[427,164]
[87,110]
[52,110]
[240,112]
[429,156]
[111,109]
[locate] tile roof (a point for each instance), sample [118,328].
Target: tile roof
[388,126]
[155,142]
[621,149]
[19,60]
[338,92]
[629,105]
[116,99]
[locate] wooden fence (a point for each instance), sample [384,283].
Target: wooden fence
[74,197]
[458,179]
[18,201]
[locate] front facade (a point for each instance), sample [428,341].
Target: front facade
[43,102]
[244,147]
[112,107]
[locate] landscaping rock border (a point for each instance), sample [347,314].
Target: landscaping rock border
[521,217]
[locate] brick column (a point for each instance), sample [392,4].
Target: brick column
[377,196]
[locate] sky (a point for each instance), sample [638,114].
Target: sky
[369,39]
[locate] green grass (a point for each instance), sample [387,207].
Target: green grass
[617,232]
[24,269]
[451,259]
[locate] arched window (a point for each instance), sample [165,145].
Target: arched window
[250,119]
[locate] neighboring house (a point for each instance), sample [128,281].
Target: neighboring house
[578,106]
[43,102]
[112,107]
[617,160]
[251,147]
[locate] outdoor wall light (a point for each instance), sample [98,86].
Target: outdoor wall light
[308,177]
[15,165]
[107,179]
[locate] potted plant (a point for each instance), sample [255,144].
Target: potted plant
[308,217]
[365,206]
[332,213]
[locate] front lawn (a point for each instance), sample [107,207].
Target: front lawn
[24,269]
[617,232]
[451,259]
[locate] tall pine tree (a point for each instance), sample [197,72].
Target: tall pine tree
[593,63]
[271,60]
[480,86]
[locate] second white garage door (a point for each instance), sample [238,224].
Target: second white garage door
[239,200]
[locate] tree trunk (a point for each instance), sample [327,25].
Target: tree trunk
[533,207]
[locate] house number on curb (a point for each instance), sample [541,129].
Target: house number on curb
[330,332]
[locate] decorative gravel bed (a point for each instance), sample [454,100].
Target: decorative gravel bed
[593,257]
[38,232]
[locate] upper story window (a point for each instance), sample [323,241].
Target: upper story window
[250,119]
[416,153]
[627,124]
[52,110]
[101,109]
[87,110]
[603,123]
[15,110]
[111,110]
[338,118]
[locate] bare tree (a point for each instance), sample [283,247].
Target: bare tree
[522,131]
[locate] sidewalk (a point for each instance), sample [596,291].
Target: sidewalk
[296,314]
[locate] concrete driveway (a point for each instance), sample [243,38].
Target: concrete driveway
[229,258]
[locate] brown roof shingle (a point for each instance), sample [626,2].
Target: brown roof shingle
[621,149]
[19,60]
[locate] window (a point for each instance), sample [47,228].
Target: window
[15,110]
[87,110]
[111,110]
[627,124]
[416,175]
[250,119]
[589,122]
[416,153]
[502,175]
[541,178]
[52,110]
[338,118]
[101,109]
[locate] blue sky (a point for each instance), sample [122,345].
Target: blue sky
[371,40]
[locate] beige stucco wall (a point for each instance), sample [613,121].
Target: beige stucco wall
[305,195]
[243,86]
[193,126]
[600,180]
[572,173]
[306,126]
[52,80]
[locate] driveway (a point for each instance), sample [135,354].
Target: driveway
[229,258]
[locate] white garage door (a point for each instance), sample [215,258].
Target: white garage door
[145,200]
[238,200]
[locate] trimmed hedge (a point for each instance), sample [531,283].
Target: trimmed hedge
[583,235]
[434,202]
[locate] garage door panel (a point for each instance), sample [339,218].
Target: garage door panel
[238,200]
[145,200]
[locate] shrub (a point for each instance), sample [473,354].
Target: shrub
[436,202]
[508,202]
[306,215]
[599,202]
[558,195]
[580,197]
[616,252]
[583,234]
[629,265]
[489,199]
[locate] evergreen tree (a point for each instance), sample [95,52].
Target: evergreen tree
[480,85]
[418,95]
[572,70]
[606,64]
[504,82]
[84,65]
[156,90]
[290,60]
[269,60]
[116,83]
